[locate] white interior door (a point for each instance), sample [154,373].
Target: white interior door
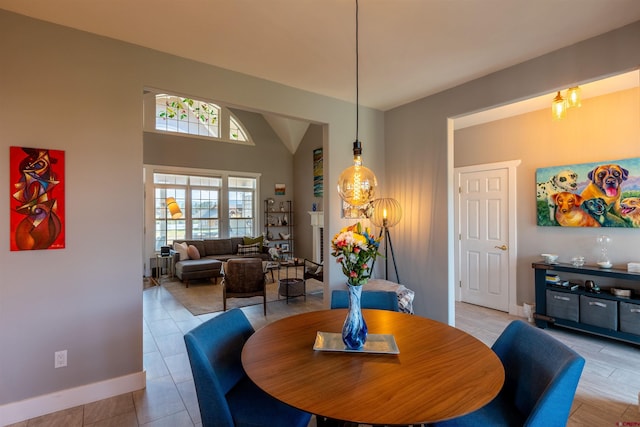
[483,220]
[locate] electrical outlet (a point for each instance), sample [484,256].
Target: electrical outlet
[60,359]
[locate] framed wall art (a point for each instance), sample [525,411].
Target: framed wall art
[280,189]
[37,199]
[318,185]
[597,194]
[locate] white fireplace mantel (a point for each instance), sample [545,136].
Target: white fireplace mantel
[317,224]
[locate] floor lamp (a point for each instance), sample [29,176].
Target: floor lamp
[386,214]
[175,212]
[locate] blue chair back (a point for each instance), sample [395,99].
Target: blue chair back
[541,373]
[214,350]
[382,300]
[541,377]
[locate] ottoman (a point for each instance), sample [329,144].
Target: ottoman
[197,269]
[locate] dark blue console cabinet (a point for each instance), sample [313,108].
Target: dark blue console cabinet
[601,314]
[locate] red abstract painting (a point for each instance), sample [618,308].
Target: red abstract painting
[37,198]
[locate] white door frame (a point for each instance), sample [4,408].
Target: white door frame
[512,215]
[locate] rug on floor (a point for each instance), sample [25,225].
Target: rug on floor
[204,296]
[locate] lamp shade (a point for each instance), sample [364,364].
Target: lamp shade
[386,212]
[174,209]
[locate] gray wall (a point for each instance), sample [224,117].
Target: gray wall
[81,93]
[604,128]
[303,177]
[419,163]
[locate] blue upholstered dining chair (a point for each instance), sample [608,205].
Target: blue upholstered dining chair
[541,377]
[226,396]
[382,300]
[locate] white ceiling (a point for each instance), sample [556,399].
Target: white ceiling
[408,48]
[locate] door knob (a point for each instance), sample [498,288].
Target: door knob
[502,248]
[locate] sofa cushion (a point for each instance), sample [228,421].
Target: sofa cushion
[249,249]
[218,247]
[235,241]
[198,265]
[193,252]
[182,249]
[251,240]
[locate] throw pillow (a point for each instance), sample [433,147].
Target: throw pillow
[249,249]
[252,240]
[193,252]
[182,249]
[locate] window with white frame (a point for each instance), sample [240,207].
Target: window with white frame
[189,116]
[210,206]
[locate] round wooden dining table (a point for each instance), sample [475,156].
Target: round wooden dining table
[439,373]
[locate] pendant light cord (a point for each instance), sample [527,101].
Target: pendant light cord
[357,74]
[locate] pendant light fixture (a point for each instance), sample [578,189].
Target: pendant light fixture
[559,107]
[573,97]
[357,183]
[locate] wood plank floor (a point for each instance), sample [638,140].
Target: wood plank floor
[607,394]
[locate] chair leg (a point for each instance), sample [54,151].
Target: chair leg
[264,302]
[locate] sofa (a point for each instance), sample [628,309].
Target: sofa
[202,259]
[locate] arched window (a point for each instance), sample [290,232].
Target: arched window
[190,116]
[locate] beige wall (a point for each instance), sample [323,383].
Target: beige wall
[419,159]
[604,128]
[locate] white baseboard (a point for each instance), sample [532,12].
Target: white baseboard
[64,399]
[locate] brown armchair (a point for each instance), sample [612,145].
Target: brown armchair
[243,278]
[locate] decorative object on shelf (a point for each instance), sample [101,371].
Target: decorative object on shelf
[387,213]
[603,260]
[284,247]
[285,236]
[357,183]
[549,258]
[314,207]
[281,207]
[597,194]
[577,261]
[270,204]
[285,219]
[353,248]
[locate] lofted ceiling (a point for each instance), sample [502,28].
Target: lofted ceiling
[409,49]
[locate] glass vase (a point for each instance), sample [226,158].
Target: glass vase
[354,330]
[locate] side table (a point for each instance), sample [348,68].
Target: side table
[162,261]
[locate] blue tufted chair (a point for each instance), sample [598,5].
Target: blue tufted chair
[382,300]
[541,377]
[226,396]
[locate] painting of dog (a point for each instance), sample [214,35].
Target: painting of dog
[589,194]
[568,212]
[566,180]
[605,181]
[598,210]
[630,210]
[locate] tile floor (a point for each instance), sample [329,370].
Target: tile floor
[607,394]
